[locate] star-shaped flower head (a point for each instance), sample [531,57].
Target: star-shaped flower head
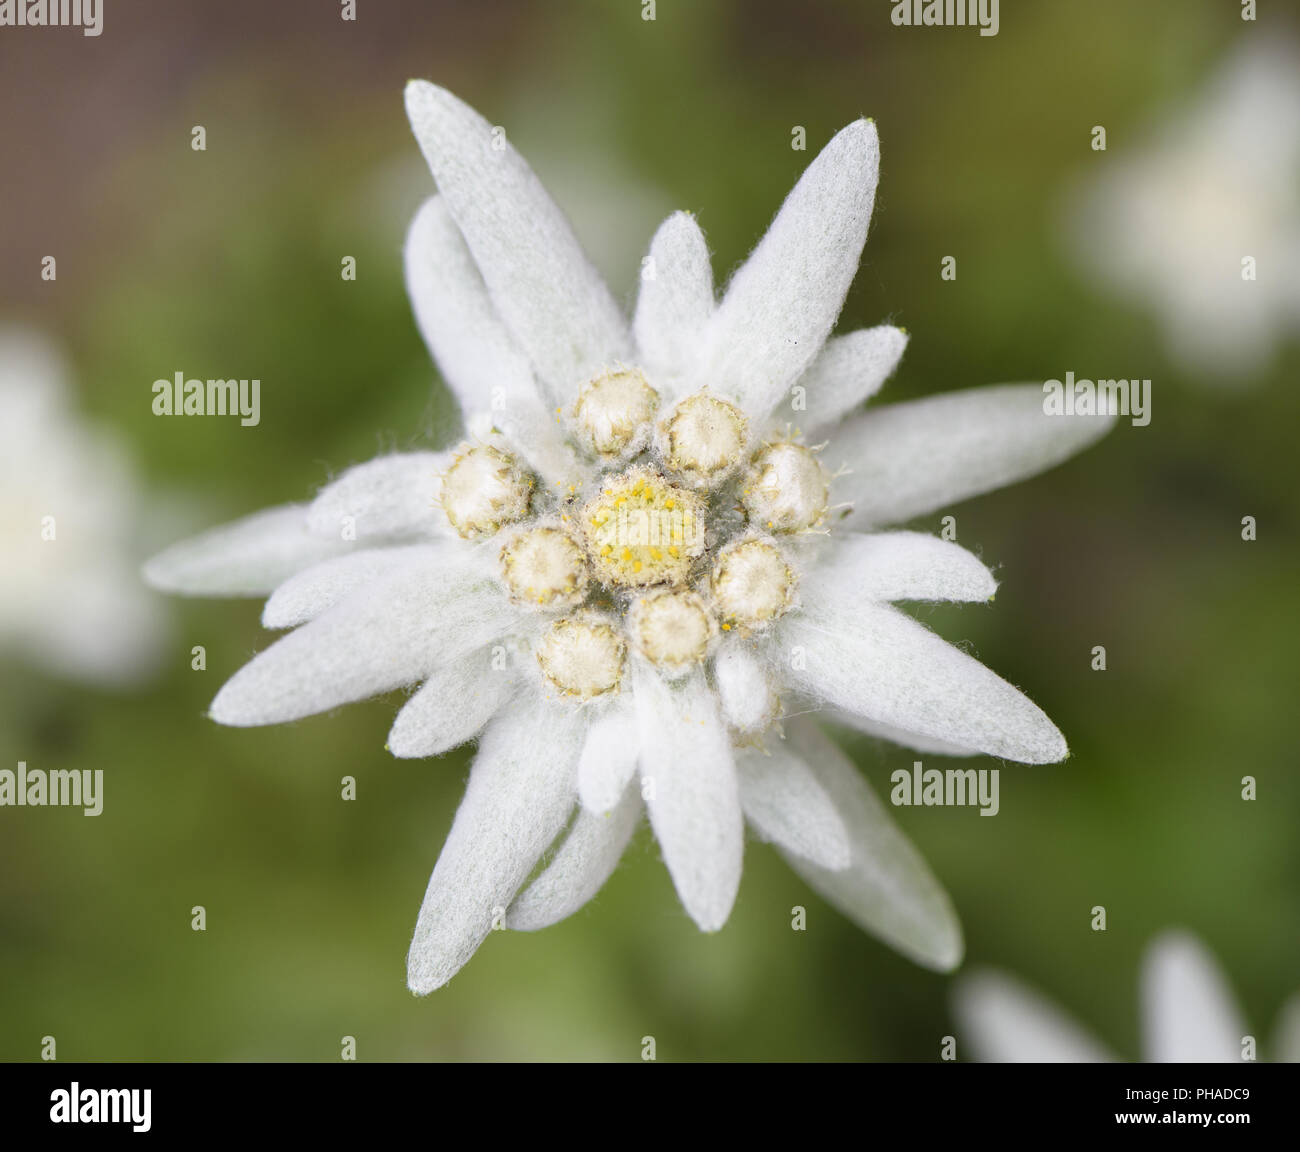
[636,565]
[1189,1016]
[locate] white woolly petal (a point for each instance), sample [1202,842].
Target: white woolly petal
[907,739]
[609,757]
[389,634]
[907,459]
[785,805]
[395,495]
[887,889]
[455,314]
[520,794]
[307,594]
[872,660]
[896,566]
[850,370]
[451,706]
[248,557]
[1188,1012]
[675,302]
[585,860]
[1000,1021]
[744,688]
[484,368]
[689,784]
[543,287]
[782,303]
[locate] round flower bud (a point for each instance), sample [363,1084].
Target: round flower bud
[483,490]
[786,489]
[671,629]
[614,413]
[641,530]
[545,567]
[752,585]
[582,656]
[703,438]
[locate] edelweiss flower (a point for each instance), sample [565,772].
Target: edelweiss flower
[1188,1016]
[635,564]
[70,599]
[1170,224]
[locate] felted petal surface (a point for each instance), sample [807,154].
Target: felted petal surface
[544,288]
[887,889]
[908,459]
[1188,1012]
[901,736]
[690,789]
[849,371]
[785,805]
[896,566]
[308,593]
[1000,1021]
[392,633]
[783,301]
[873,661]
[395,495]
[248,557]
[743,688]
[479,359]
[585,860]
[452,705]
[520,793]
[675,301]
[609,757]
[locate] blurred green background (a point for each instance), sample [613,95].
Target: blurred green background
[226,263]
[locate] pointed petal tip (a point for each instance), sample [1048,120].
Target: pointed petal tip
[422,983]
[862,135]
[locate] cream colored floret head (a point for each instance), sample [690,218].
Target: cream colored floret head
[703,439]
[614,415]
[641,530]
[483,490]
[545,567]
[582,656]
[671,629]
[752,585]
[786,489]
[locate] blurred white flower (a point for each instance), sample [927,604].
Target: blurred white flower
[1169,221]
[1189,1016]
[635,563]
[71,600]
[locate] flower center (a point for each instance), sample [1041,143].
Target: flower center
[786,489]
[641,530]
[483,490]
[582,656]
[704,438]
[545,566]
[752,584]
[671,629]
[614,412]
